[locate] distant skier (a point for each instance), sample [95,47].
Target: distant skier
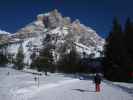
[35,78]
[8,73]
[97,80]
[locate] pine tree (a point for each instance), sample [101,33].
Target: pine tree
[44,62]
[128,39]
[3,56]
[70,62]
[19,62]
[3,59]
[33,58]
[114,54]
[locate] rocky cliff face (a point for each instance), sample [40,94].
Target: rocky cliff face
[47,21]
[63,33]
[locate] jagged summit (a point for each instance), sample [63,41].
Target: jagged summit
[53,20]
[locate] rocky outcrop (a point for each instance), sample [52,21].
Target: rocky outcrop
[47,21]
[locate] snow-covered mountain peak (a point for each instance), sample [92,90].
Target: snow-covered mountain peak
[4,36]
[63,32]
[4,32]
[54,20]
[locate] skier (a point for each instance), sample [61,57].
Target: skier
[35,78]
[97,81]
[8,73]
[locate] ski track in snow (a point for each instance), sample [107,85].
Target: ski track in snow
[31,91]
[21,86]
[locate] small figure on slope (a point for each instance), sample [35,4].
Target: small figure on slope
[97,80]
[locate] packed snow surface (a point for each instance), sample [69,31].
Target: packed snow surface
[19,85]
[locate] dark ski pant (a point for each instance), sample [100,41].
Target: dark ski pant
[97,87]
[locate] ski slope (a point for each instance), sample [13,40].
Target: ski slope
[22,86]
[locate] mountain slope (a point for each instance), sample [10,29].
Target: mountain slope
[63,35]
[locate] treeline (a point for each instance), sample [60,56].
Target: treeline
[72,63]
[68,62]
[3,57]
[17,60]
[118,52]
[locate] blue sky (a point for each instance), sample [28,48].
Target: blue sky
[98,14]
